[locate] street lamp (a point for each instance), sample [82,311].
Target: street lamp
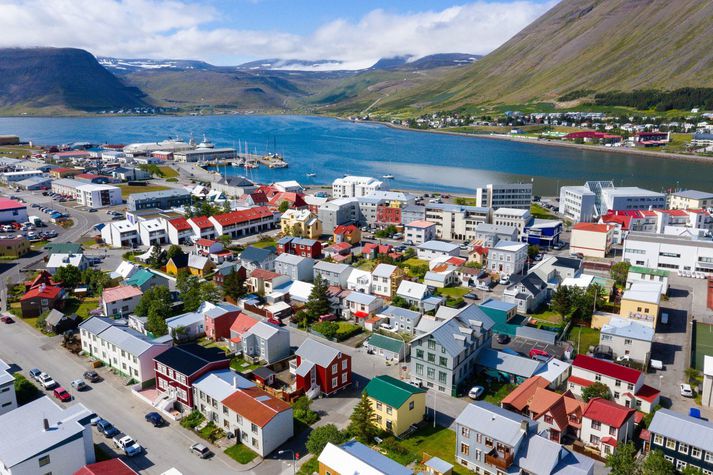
[294,462]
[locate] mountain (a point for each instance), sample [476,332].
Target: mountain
[123,66]
[59,80]
[592,45]
[275,64]
[432,61]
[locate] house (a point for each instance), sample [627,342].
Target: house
[401,320]
[301,223]
[684,440]
[58,323]
[592,239]
[266,342]
[8,398]
[206,247]
[334,274]
[187,326]
[432,249]
[124,270]
[319,368]
[225,269]
[626,384]
[41,298]
[300,247]
[606,424]
[360,281]
[444,350]
[507,257]
[218,318]
[641,302]
[391,349]
[419,231]
[124,349]
[177,263]
[528,294]
[240,326]
[295,267]
[554,269]
[179,231]
[543,233]
[396,404]
[120,301]
[488,235]
[121,233]
[502,366]
[264,282]
[413,292]
[353,457]
[199,265]
[258,258]
[63,248]
[441,274]
[386,279]
[56,261]
[179,367]
[107,467]
[557,415]
[44,437]
[14,247]
[707,391]
[347,233]
[490,439]
[626,337]
[252,416]
[144,279]
[646,274]
[361,306]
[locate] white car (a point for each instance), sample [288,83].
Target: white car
[504,280]
[475,392]
[484,287]
[686,390]
[46,381]
[621,358]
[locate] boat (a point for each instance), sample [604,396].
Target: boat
[205,143]
[311,175]
[277,164]
[388,177]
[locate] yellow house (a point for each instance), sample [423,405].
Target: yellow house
[176,264]
[300,223]
[199,265]
[641,302]
[397,404]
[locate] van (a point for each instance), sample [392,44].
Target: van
[664,318]
[656,364]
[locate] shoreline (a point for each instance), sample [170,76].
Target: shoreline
[551,143]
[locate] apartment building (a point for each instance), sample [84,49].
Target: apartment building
[513,217]
[337,212]
[419,231]
[8,398]
[98,196]
[504,195]
[456,222]
[356,186]
[507,257]
[684,440]
[578,203]
[690,199]
[680,253]
[162,199]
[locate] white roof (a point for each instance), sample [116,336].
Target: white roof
[414,290]
[197,261]
[124,270]
[510,246]
[185,320]
[263,330]
[5,375]
[643,291]
[358,459]
[60,260]
[383,270]
[222,383]
[628,328]
[300,290]
[96,187]
[583,281]
[553,369]
[440,246]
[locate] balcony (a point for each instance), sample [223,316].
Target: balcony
[501,460]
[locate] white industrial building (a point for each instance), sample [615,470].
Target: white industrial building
[11,210]
[67,187]
[631,197]
[681,253]
[577,203]
[356,186]
[592,200]
[98,196]
[504,195]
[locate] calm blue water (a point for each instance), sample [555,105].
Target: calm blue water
[331,148]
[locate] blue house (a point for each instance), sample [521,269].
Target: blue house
[542,232]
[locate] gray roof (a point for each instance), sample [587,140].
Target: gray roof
[507,363]
[256,254]
[21,430]
[474,316]
[398,313]
[439,465]
[222,383]
[683,428]
[317,352]
[361,298]
[264,330]
[626,328]
[331,267]
[173,192]
[498,423]
[119,334]
[453,335]
[413,290]
[536,334]
[54,317]
[290,259]
[383,270]
[495,229]
[542,456]
[694,194]
[439,246]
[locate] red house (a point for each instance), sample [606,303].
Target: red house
[40,299]
[388,214]
[178,367]
[321,368]
[217,321]
[300,247]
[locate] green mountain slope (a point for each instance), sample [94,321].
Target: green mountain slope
[60,79]
[598,45]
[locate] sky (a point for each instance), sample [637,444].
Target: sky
[353,33]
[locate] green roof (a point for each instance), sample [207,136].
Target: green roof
[648,271]
[140,277]
[391,391]
[391,344]
[63,248]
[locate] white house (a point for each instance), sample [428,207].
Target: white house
[606,424]
[98,196]
[627,337]
[8,398]
[153,231]
[295,267]
[413,292]
[420,231]
[507,257]
[266,342]
[362,306]
[432,249]
[385,280]
[334,274]
[56,261]
[360,281]
[120,234]
[120,301]
[512,217]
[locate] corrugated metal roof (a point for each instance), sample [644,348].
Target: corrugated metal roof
[502,425]
[683,428]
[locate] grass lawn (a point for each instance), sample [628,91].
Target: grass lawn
[37,245]
[240,453]
[127,190]
[310,466]
[548,316]
[409,264]
[239,364]
[585,336]
[368,265]
[265,243]
[453,292]
[168,172]
[80,307]
[540,212]
[436,442]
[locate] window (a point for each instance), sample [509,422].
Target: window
[616,395]
[335,382]
[379,406]
[419,369]
[627,341]
[411,406]
[431,345]
[593,439]
[617,383]
[442,377]
[695,452]
[344,364]
[443,361]
[683,448]
[612,430]
[253,428]
[596,425]
[548,419]
[334,368]
[44,460]
[597,377]
[431,373]
[389,410]
[671,444]
[464,449]
[344,378]
[709,457]
[680,464]
[431,358]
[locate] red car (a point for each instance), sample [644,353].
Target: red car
[537,352]
[62,394]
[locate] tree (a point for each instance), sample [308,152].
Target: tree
[656,464]
[156,257]
[318,302]
[173,251]
[225,240]
[209,292]
[361,422]
[234,286]
[561,301]
[691,470]
[95,280]
[226,207]
[623,460]
[596,389]
[155,322]
[619,272]
[328,329]
[155,305]
[532,251]
[410,253]
[399,301]
[284,206]
[69,275]
[321,436]
[297,229]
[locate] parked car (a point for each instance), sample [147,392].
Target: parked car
[502,338]
[127,444]
[483,287]
[155,419]
[62,394]
[471,296]
[686,390]
[46,381]
[92,210]
[504,280]
[623,358]
[79,385]
[92,376]
[664,318]
[201,450]
[105,427]
[538,352]
[35,373]
[6,319]
[476,392]
[656,364]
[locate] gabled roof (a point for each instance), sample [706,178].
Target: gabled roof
[256,405]
[107,467]
[141,277]
[607,412]
[317,352]
[607,368]
[179,260]
[243,323]
[196,261]
[202,222]
[242,216]
[683,428]
[356,458]
[180,224]
[264,274]
[393,345]
[188,359]
[42,291]
[121,292]
[256,254]
[502,425]
[391,391]
[520,396]
[413,290]
[221,383]
[384,270]
[507,363]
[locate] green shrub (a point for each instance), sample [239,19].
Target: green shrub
[25,390]
[193,420]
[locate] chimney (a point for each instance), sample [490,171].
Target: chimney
[46,424]
[235,382]
[524,425]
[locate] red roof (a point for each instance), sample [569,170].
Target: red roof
[88,176]
[590,134]
[264,274]
[107,467]
[607,412]
[341,246]
[242,324]
[295,199]
[647,393]
[345,228]
[205,242]
[607,368]
[580,381]
[64,169]
[180,224]
[609,441]
[43,291]
[202,222]
[593,227]
[243,216]
[255,405]
[259,197]
[7,205]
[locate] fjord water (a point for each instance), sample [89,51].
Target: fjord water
[331,148]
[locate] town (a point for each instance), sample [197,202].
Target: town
[159,317]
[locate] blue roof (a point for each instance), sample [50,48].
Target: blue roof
[256,254]
[374,458]
[498,305]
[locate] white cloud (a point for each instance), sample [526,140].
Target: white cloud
[178,29]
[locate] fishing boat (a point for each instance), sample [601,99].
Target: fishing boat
[311,175]
[388,177]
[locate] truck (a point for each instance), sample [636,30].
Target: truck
[127,444]
[36,221]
